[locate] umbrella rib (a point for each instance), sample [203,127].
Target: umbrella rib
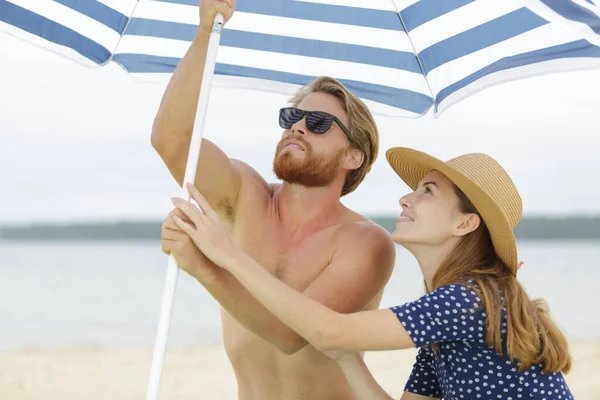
[112,53]
[433,100]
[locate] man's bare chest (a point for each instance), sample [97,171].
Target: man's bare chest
[295,261]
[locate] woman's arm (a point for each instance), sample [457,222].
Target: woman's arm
[324,328]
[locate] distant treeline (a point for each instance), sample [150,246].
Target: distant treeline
[539,228]
[534,228]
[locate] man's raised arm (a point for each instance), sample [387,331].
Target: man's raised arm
[217,177]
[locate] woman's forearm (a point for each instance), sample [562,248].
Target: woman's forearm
[307,317]
[362,382]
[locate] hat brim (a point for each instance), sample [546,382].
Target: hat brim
[412,166]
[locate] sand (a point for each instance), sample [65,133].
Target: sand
[199,373]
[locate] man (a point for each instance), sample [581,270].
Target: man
[298,230]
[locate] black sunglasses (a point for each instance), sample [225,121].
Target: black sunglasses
[317,122]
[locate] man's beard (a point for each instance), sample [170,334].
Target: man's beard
[310,171]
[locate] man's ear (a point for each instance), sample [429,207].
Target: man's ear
[354,159]
[467,224]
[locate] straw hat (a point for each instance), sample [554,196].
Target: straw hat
[482,180]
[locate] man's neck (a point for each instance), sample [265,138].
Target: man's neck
[300,208]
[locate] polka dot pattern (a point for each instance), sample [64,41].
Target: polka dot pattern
[462,366]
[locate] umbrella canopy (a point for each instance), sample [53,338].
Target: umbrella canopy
[582,16]
[401,57]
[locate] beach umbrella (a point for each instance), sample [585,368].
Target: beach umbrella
[402,57]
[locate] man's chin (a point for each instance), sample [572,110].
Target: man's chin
[294,157]
[295,176]
[286,169]
[303,171]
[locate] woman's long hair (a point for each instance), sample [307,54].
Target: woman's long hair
[531,335]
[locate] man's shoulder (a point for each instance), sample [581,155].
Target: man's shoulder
[360,233]
[356,226]
[365,248]
[364,226]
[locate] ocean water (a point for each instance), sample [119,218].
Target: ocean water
[108,294]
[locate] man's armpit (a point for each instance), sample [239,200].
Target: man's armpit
[226,210]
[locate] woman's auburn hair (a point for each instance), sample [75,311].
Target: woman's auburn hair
[532,337]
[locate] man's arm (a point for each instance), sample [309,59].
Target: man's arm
[218,178]
[414,396]
[362,382]
[357,274]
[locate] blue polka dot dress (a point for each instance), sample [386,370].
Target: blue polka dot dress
[463,366]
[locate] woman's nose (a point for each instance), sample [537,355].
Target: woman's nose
[405,201]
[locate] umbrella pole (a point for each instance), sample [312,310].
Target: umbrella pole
[190,176]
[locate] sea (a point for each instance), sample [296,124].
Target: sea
[57,294]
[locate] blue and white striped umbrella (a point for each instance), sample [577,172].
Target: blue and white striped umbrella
[402,57]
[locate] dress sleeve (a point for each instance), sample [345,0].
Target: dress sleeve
[449,313]
[423,378]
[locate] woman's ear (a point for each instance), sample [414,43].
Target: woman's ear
[467,224]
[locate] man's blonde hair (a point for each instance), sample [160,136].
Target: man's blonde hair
[363,130]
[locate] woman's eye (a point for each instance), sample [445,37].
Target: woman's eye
[427,190]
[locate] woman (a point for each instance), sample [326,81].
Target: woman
[479,334]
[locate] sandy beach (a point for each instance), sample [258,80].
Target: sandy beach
[199,373]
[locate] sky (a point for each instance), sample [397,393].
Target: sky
[76,141]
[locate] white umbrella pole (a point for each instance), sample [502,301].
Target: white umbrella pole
[166,308]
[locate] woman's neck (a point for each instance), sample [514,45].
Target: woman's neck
[430,258]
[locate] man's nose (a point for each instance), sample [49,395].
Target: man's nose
[300,127]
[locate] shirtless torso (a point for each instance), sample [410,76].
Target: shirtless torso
[265,371]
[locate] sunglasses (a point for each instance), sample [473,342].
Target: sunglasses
[317,122]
